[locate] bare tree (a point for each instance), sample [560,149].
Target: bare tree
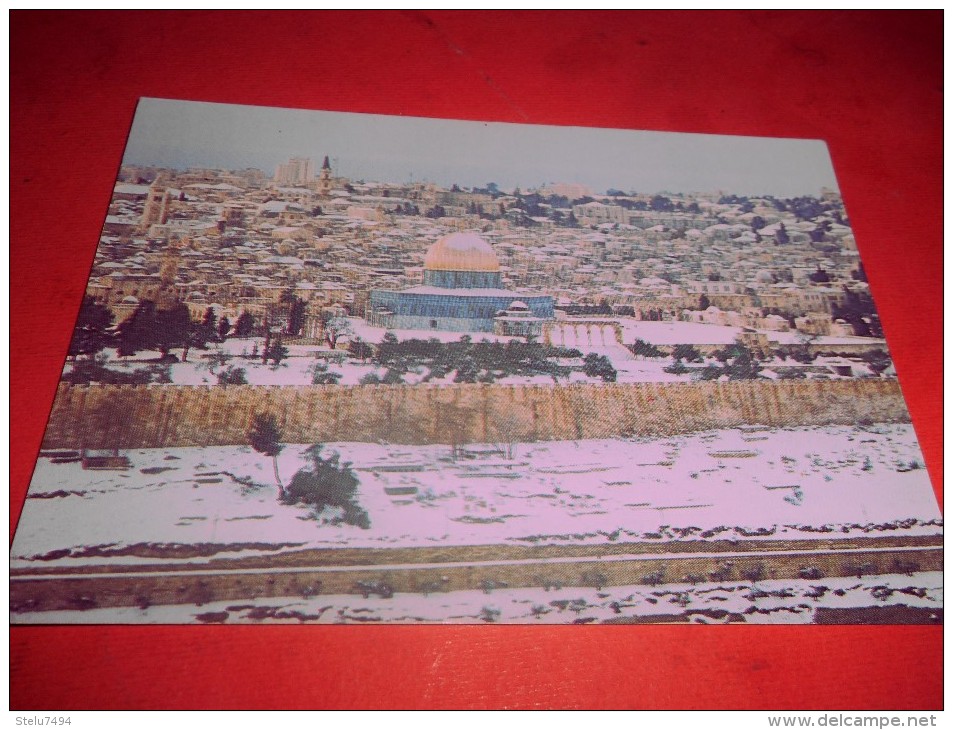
[336,328]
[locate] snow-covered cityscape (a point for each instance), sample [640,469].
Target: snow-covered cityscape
[302,278]
[659,285]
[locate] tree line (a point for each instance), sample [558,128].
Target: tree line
[151,328]
[474,362]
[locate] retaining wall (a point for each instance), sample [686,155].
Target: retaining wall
[151,416]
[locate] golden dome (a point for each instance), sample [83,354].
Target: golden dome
[461,252]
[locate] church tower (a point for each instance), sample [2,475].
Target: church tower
[157,205]
[166,295]
[324,180]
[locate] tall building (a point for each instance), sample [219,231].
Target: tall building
[462,292]
[296,171]
[171,259]
[157,205]
[324,181]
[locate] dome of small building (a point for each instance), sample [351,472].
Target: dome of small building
[461,252]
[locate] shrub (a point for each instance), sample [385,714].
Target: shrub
[791,374]
[85,372]
[599,366]
[676,368]
[645,349]
[160,373]
[232,376]
[328,483]
[391,377]
[320,375]
[710,372]
[686,352]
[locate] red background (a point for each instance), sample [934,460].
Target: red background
[869,83]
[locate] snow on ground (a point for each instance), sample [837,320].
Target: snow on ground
[696,333]
[550,492]
[678,333]
[372,334]
[768,601]
[204,366]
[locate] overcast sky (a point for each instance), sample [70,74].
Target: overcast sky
[399,149]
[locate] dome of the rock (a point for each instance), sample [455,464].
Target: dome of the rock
[461,252]
[462,290]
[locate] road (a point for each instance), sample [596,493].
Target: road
[467,568]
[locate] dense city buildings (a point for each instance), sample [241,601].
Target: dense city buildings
[306,247]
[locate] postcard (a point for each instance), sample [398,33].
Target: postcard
[344,368]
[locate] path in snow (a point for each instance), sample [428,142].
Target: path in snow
[768,601]
[784,483]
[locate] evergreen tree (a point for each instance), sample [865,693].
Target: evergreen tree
[208,330]
[320,375]
[296,315]
[264,437]
[819,234]
[467,371]
[360,349]
[232,376]
[224,327]
[244,325]
[820,276]
[710,372]
[686,352]
[877,361]
[173,328]
[91,332]
[743,366]
[276,352]
[137,332]
[782,236]
[644,349]
[387,350]
[676,368]
[328,483]
[599,366]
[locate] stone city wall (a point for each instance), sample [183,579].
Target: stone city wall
[149,416]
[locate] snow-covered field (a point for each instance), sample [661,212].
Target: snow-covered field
[782,482]
[764,602]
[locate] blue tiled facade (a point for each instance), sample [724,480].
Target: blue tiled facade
[463,279]
[450,311]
